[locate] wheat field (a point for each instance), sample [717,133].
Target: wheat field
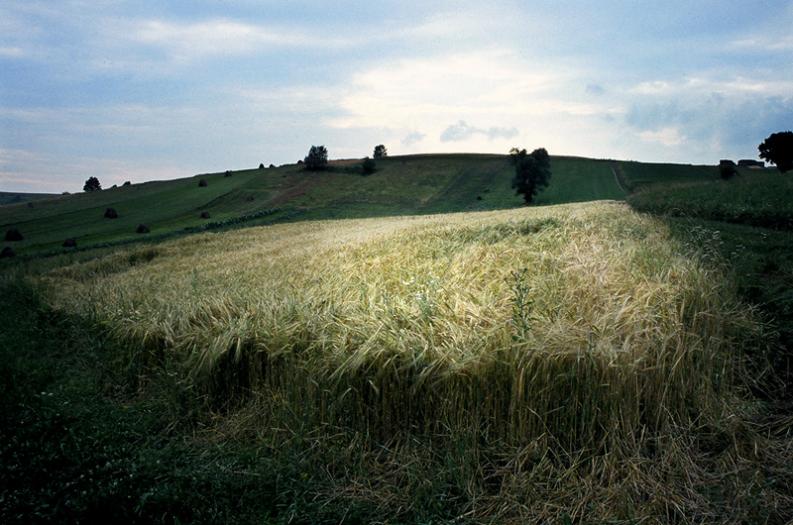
[579,324]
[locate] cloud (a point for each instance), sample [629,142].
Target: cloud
[665,136]
[12,52]
[412,138]
[764,43]
[186,41]
[462,131]
[595,89]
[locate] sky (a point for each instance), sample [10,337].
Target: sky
[146,90]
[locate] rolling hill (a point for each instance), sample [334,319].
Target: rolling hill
[402,185]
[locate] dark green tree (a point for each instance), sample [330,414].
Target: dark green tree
[777,149]
[532,172]
[317,158]
[727,169]
[380,151]
[92,184]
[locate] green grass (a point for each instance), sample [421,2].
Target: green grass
[636,175]
[757,198]
[421,184]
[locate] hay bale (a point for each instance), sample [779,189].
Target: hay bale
[204,214]
[70,243]
[202,183]
[111,213]
[7,253]
[13,235]
[142,228]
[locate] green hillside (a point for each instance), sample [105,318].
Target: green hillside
[10,197]
[419,184]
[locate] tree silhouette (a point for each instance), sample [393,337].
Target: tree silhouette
[317,158]
[92,184]
[532,172]
[777,149]
[380,151]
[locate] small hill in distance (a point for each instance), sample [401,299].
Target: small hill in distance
[401,185]
[10,197]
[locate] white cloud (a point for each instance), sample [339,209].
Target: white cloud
[187,41]
[463,131]
[725,82]
[412,138]
[763,43]
[12,52]
[665,136]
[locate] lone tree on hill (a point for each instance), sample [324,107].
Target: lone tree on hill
[532,172]
[380,151]
[727,169]
[317,158]
[777,149]
[92,184]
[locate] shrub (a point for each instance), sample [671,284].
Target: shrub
[227,174]
[14,235]
[7,253]
[369,166]
[142,228]
[204,214]
[380,151]
[92,184]
[317,158]
[70,243]
[202,183]
[261,166]
[127,183]
[727,169]
[111,213]
[272,166]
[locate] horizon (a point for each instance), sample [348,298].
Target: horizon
[143,91]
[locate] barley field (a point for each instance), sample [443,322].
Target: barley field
[578,323]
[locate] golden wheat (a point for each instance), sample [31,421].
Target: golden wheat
[577,323]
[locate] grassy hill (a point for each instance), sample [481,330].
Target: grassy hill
[10,197]
[407,185]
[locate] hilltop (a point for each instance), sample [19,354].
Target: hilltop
[402,185]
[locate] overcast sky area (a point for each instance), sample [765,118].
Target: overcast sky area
[151,89]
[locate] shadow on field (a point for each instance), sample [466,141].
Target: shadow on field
[760,262]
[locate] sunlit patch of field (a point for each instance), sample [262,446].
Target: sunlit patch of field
[581,323]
